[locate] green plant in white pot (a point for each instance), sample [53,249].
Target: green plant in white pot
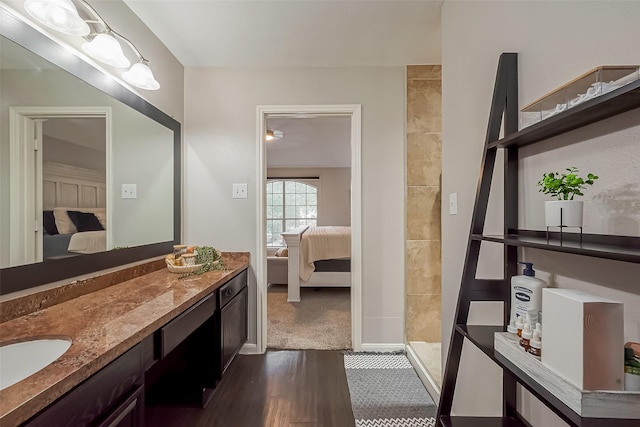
[565,211]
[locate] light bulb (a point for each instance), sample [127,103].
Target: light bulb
[140,75]
[61,15]
[105,48]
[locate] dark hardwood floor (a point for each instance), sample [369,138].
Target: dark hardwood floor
[305,388]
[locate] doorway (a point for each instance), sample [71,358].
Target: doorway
[353,113]
[39,182]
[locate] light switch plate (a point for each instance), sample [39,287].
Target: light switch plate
[129,191]
[453,204]
[240,191]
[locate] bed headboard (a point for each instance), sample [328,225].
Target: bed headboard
[72,186]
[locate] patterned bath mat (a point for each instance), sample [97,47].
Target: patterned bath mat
[386,391]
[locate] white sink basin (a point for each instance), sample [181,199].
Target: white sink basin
[19,360]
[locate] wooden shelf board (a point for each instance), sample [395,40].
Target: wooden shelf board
[613,103]
[624,69]
[483,338]
[588,404]
[619,248]
[452,421]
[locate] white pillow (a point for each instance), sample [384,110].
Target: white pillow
[63,222]
[66,226]
[282,252]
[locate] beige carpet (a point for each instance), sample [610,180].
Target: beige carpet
[320,321]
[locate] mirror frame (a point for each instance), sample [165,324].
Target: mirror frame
[22,277]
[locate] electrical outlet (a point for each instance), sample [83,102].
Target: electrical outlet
[239,191]
[453,204]
[129,191]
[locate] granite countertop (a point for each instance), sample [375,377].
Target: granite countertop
[102,325]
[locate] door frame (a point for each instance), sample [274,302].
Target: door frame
[354,111]
[26,167]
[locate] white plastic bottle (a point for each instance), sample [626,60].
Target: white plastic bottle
[526,294]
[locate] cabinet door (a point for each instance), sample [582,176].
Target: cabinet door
[88,403]
[233,318]
[129,413]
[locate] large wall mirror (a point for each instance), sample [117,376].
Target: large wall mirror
[89,171]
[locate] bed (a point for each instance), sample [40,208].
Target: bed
[74,213]
[55,246]
[73,231]
[317,257]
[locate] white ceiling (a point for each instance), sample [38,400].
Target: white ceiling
[295,33]
[88,132]
[298,33]
[317,142]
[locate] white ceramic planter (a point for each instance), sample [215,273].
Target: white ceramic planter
[571,213]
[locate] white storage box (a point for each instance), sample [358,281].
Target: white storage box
[583,338]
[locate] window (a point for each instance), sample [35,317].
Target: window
[290,204]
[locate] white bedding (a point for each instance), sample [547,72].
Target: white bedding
[318,243]
[88,242]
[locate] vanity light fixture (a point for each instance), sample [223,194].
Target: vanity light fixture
[61,15]
[140,75]
[102,41]
[105,48]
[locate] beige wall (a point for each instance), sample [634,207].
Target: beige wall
[334,191]
[556,42]
[423,148]
[221,149]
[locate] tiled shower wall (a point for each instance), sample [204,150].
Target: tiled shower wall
[424,165]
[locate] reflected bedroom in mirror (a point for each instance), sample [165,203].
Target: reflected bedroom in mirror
[73,188]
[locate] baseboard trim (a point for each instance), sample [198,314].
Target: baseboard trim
[381,347]
[432,387]
[250,348]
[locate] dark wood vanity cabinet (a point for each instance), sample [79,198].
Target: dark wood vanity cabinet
[193,350]
[183,370]
[113,397]
[179,329]
[232,303]
[181,363]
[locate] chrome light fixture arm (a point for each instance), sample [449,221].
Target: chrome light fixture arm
[107,29]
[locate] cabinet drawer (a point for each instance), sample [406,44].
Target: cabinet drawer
[88,402]
[231,288]
[174,332]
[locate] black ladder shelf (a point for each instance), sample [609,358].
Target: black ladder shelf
[504,108]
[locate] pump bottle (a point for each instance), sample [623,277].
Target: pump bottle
[526,294]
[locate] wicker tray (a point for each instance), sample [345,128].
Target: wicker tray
[181,269]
